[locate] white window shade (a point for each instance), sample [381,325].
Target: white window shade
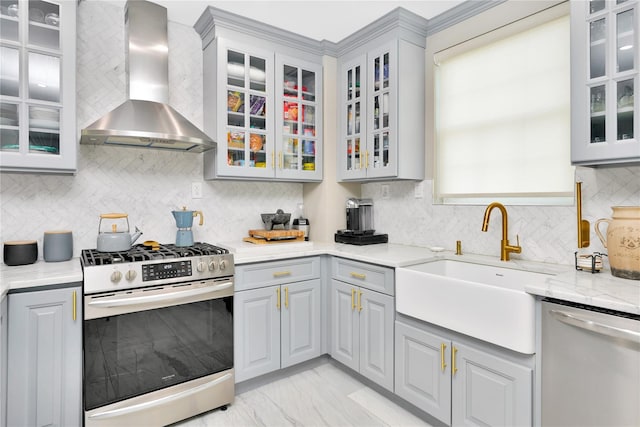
[503,119]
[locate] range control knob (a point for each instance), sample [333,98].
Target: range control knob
[212,265]
[116,276]
[223,264]
[201,266]
[130,275]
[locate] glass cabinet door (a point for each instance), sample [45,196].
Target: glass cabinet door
[31,93]
[612,64]
[300,152]
[377,155]
[353,148]
[246,111]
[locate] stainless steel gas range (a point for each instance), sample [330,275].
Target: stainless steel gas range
[158,333]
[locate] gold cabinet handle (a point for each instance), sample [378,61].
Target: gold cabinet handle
[366,159]
[353,299]
[278,298]
[286,297]
[74,305]
[359,301]
[281,273]
[273,159]
[360,159]
[358,275]
[280,160]
[443,347]
[454,369]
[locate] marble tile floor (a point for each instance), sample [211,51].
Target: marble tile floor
[322,395]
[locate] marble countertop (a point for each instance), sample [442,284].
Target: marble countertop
[565,283]
[39,274]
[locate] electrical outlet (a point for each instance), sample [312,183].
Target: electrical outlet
[196,190]
[418,190]
[385,191]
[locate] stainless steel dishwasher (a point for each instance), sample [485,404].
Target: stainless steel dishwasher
[590,366]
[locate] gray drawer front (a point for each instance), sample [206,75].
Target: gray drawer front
[258,275]
[370,276]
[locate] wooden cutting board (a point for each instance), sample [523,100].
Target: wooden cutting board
[274,236]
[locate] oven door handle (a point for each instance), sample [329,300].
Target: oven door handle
[161,401]
[169,296]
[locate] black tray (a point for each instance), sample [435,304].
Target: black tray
[361,239]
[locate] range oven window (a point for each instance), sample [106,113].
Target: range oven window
[131,354]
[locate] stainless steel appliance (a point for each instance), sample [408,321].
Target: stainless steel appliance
[146,119]
[360,230]
[590,366]
[158,333]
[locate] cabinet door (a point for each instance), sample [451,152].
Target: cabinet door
[300,322]
[45,365]
[423,370]
[352,103]
[488,390]
[256,332]
[376,337]
[380,156]
[244,111]
[604,83]
[37,86]
[345,342]
[298,119]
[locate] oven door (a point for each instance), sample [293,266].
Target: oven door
[139,342]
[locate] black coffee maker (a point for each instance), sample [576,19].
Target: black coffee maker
[360,229]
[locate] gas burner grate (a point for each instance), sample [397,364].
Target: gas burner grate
[140,252]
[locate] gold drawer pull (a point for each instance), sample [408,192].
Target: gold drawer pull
[286,297]
[443,365]
[281,273]
[358,275]
[454,369]
[74,306]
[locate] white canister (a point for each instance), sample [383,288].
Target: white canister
[57,245]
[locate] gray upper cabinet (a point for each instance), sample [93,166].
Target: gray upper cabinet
[277,321]
[45,358]
[37,86]
[381,100]
[460,382]
[362,319]
[604,82]
[262,100]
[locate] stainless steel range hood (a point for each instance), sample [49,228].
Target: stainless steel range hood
[146,119]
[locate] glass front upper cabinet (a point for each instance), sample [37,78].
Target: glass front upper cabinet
[612,61]
[246,117]
[611,81]
[31,92]
[355,145]
[300,143]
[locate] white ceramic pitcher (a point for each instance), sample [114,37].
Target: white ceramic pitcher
[623,241]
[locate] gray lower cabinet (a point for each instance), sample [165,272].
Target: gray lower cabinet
[45,358]
[3,362]
[362,320]
[279,325]
[458,383]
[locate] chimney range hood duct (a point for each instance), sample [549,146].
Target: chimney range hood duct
[146,119]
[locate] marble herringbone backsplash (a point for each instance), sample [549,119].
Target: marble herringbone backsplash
[547,233]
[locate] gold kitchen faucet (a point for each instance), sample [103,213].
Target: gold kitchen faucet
[505,247]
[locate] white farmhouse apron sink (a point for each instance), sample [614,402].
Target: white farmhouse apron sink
[482,301]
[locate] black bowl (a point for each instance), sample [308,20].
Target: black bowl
[20,252]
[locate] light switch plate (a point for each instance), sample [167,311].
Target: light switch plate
[385,191]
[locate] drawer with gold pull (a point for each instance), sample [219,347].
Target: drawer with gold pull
[261,274]
[370,276]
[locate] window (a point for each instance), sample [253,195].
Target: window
[502,116]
